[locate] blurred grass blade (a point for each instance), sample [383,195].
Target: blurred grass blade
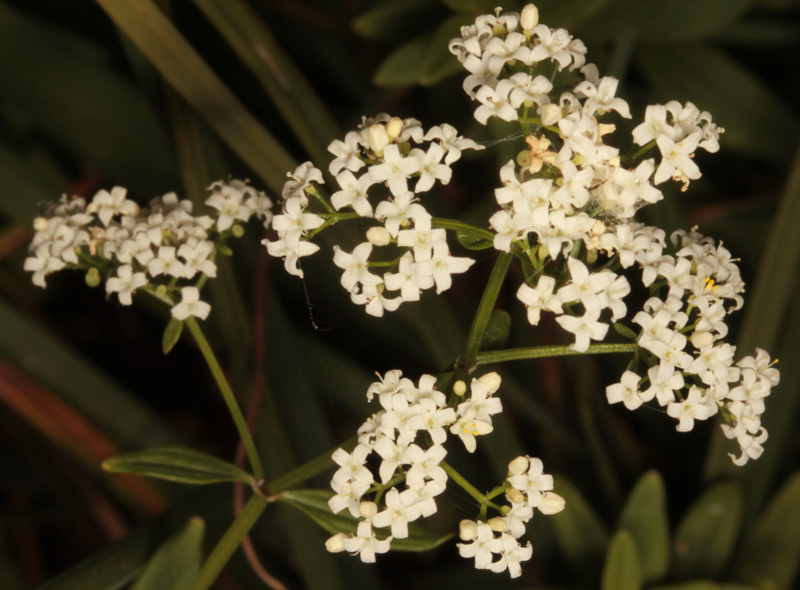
[314,503]
[80,384]
[729,92]
[176,563]
[401,66]
[438,62]
[28,184]
[70,432]
[67,89]
[190,76]
[770,555]
[179,464]
[703,585]
[705,537]
[580,532]
[299,104]
[118,563]
[645,518]
[622,570]
[385,20]
[770,311]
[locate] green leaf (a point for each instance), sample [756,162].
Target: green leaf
[644,516]
[622,570]
[702,585]
[190,76]
[579,531]
[472,242]
[497,330]
[401,66]
[385,20]
[716,83]
[179,464]
[705,537]
[770,554]
[314,503]
[438,62]
[172,334]
[625,331]
[177,562]
[471,6]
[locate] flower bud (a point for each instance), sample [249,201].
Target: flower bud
[161,291]
[551,503]
[377,138]
[368,510]
[378,236]
[524,158]
[551,114]
[591,256]
[237,230]
[491,381]
[515,496]
[393,127]
[529,17]
[497,524]
[518,466]
[467,530]
[336,543]
[92,277]
[702,339]
[459,388]
[40,224]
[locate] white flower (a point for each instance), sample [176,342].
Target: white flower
[400,510]
[395,170]
[585,328]
[481,546]
[353,193]
[696,406]
[190,305]
[356,266]
[125,283]
[542,297]
[626,391]
[365,544]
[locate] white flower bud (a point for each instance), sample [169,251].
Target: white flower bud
[491,381]
[551,114]
[529,17]
[497,524]
[393,127]
[378,236]
[467,530]
[459,388]
[515,496]
[518,466]
[377,138]
[336,543]
[551,503]
[40,224]
[702,339]
[368,510]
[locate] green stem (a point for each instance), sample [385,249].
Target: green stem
[229,542]
[227,394]
[463,483]
[452,224]
[485,307]
[309,469]
[536,352]
[333,219]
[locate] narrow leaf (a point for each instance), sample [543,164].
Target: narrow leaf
[770,555]
[177,562]
[705,537]
[645,518]
[622,570]
[314,503]
[179,464]
[579,531]
[471,242]
[497,330]
[401,66]
[438,62]
[172,334]
[184,70]
[385,20]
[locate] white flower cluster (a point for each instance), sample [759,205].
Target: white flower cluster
[133,247]
[390,161]
[391,436]
[528,488]
[691,370]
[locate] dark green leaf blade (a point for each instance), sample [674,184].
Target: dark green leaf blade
[172,334]
[179,464]
[580,533]
[438,62]
[705,537]
[622,570]
[177,562]
[314,503]
[400,67]
[645,517]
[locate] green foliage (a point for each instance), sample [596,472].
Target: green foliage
[175,565]
[172,333]
[178,464]
[622,570]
